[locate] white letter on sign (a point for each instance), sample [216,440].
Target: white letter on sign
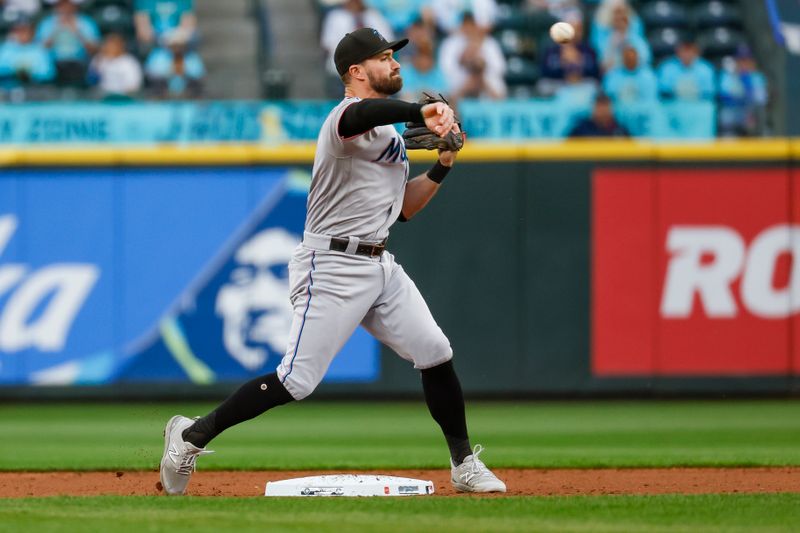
[686,274]
[69,285]
[758,293]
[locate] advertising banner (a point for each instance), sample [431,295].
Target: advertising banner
[161,122]
[794,294]
[695,272]
[144,275]
[277,122]
[544,119]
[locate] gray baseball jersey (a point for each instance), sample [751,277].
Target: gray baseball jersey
[358,183]
[357,191]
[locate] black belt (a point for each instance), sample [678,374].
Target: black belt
[339,244]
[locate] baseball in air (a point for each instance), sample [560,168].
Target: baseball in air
[562,32]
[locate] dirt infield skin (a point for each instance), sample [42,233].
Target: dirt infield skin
[521,482]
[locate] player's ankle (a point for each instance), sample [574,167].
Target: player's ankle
[201,432]
[460,449]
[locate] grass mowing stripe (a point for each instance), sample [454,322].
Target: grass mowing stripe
[707,513]
[322,435]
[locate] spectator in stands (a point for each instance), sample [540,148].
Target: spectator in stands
[353,14]
[400,14]
[631,82]
[26,8]
[22,60]
[72,38]
[448,14]
[175,71]
[603,22]
[686,76]
[601,123]
[553,65]
[578,91]
[473,63]
[419,33]
[422,74]
[116,72]
[620,36]
[742,95]
[154,20]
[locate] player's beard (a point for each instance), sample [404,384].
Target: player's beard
[388,86]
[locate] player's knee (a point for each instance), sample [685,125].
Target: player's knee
[299,382]
[441,348]
[299,391]
[436,352]
[300,377]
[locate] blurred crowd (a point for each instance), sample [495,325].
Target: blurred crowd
[108,49]
[623,52]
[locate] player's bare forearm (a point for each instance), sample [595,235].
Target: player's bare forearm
[419,192]
[421,189]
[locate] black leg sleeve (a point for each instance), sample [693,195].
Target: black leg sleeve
[249,401]
[446,404]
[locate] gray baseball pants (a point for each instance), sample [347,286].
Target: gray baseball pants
[332,293]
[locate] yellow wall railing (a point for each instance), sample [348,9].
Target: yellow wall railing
[303,153]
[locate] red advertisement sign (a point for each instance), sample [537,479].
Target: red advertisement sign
[794,213]
[693,272]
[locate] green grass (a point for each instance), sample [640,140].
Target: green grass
[708,513]
[364,435]
[402,435]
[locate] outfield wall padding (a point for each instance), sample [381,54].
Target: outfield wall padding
[511,259]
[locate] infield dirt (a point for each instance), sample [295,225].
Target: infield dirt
[521,482]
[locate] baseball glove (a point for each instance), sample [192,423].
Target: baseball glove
[418,137]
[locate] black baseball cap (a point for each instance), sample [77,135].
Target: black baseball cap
[362,44]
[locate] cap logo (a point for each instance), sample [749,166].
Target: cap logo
[361,44]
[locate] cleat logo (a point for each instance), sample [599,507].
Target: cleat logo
[173,451]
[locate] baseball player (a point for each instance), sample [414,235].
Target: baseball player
[341,274]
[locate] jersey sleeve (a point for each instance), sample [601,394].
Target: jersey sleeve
[344,146]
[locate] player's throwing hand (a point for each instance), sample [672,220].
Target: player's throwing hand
[439,118]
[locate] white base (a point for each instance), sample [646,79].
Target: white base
[349,485]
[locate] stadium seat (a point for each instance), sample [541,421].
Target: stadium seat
[516,19]
[521,92]
[95,4]
[662,13]
[513,43]
[540,22]
[509,18]
[663,41]
[719,42]
[114,18]
[715,14]
[542,43]
[509,41]
[521,71]
[694,3]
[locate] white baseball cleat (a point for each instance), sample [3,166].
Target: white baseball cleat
[178,461]
[473,476]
